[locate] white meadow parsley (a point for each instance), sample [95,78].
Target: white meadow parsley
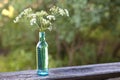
[61,12]
[16,20]
[67,13]
[31,16]
[25,13]
[50,28]
[51,17]
[42,19]
[33,21]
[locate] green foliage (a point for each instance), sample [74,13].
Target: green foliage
[21,59]
[18,60]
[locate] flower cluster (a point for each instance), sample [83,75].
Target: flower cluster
[57,10]
[26,12]
[51,17]
[42,19]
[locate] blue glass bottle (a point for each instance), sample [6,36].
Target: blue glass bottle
[42,55]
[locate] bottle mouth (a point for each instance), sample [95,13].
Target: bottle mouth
[41,34]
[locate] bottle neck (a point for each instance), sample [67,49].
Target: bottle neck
[41,36]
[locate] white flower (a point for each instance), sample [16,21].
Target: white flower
[20,16]
[45,22]
[54,9]
[61,12]
[50,28]
[31,16]
[28,10]
[41,13]
[24,13]
[66,11]
[51,17]
[33,21]
[16,20]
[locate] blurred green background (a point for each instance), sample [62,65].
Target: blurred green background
[90,35]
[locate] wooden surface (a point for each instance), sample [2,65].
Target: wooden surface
[87,72]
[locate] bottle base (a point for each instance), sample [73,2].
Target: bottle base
[42,73]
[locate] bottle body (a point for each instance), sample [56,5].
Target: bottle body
[42,55]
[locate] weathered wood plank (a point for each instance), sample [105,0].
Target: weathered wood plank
[114,79]
[87,72]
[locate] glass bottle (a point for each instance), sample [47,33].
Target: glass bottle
[42,55]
